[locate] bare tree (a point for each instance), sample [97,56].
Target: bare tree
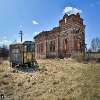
[4,51]
[99,50]
[95,44]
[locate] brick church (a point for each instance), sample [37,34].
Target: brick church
[62,41]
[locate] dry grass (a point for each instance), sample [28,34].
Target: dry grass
[57,80]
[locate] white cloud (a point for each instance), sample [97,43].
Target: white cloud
[5,41]
[71,10]
[35,33]
[35,22]
[20,26]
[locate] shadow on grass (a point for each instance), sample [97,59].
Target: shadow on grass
[29,67]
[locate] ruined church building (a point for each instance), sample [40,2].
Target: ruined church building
[62,41]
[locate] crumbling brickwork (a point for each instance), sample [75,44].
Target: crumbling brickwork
[62,41]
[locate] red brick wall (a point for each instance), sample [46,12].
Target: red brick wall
[70,28]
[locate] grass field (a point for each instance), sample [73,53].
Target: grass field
[57,79]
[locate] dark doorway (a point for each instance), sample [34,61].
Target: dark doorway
[65,46]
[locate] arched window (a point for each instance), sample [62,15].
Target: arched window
[78,44]
[65,46]
[40,48]
[52,46]
[65,20]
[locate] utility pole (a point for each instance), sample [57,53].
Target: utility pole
[21,35]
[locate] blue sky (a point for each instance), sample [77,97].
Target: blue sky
[33,16]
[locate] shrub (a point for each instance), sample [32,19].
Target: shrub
[78,56]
